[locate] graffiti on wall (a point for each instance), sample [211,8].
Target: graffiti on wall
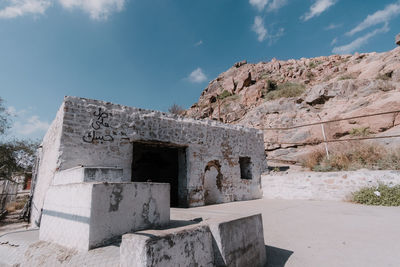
[99,123]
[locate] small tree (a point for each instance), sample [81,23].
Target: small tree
[17,155]
[4,118]
[176,109]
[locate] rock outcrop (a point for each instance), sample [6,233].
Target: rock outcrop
[295,92]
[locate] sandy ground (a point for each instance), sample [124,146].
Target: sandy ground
[296,233]
[318,233]
[12,223]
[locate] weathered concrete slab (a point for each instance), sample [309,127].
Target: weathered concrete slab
[184,246]
[89,174]
[86,215]
[238,241]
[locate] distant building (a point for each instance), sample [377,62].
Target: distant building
[18,184]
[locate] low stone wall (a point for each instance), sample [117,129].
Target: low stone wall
[324,185]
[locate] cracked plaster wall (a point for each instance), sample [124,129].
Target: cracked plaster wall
[96,133]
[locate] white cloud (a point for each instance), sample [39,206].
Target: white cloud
[30,126]
[273,38]
[277,4]
[197,76]
[18,8]
[274,5]
[359,42]
[259,4]
[199,43]
[333,26]
[334,41]
[318,8]
[259,29]
[15,113]
[97,9]
[380,16]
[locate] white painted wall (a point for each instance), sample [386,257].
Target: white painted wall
[85,215]
[49,162]
[324,185]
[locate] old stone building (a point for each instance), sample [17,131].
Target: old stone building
[205,162]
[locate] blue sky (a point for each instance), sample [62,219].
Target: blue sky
[154,53]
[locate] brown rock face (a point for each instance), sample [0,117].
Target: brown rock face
[295,92]
[398,39]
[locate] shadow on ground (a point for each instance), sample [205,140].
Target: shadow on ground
[277,257]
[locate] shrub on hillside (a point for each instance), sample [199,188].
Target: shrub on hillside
[176,109]
[345,77]
[362,131]
[314,64]
[286,90]
[354,157]
[224,95]
[382,195]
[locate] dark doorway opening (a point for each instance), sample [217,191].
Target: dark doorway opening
[161,163]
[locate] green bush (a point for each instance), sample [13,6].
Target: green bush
[271,85]
[286,90]
[363,131]
[382,195]
[345,77]
[313,64]
[224,94]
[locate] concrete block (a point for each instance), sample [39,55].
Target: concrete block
[88,215]
[83,174]
[238,241]
[184,246]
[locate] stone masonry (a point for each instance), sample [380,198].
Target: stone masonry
[205,162]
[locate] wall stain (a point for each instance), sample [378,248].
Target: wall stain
[227,152]
[115,197]
[220,177]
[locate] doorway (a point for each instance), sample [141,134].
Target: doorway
[161,163]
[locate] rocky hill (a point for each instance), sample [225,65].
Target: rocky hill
[296,92]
